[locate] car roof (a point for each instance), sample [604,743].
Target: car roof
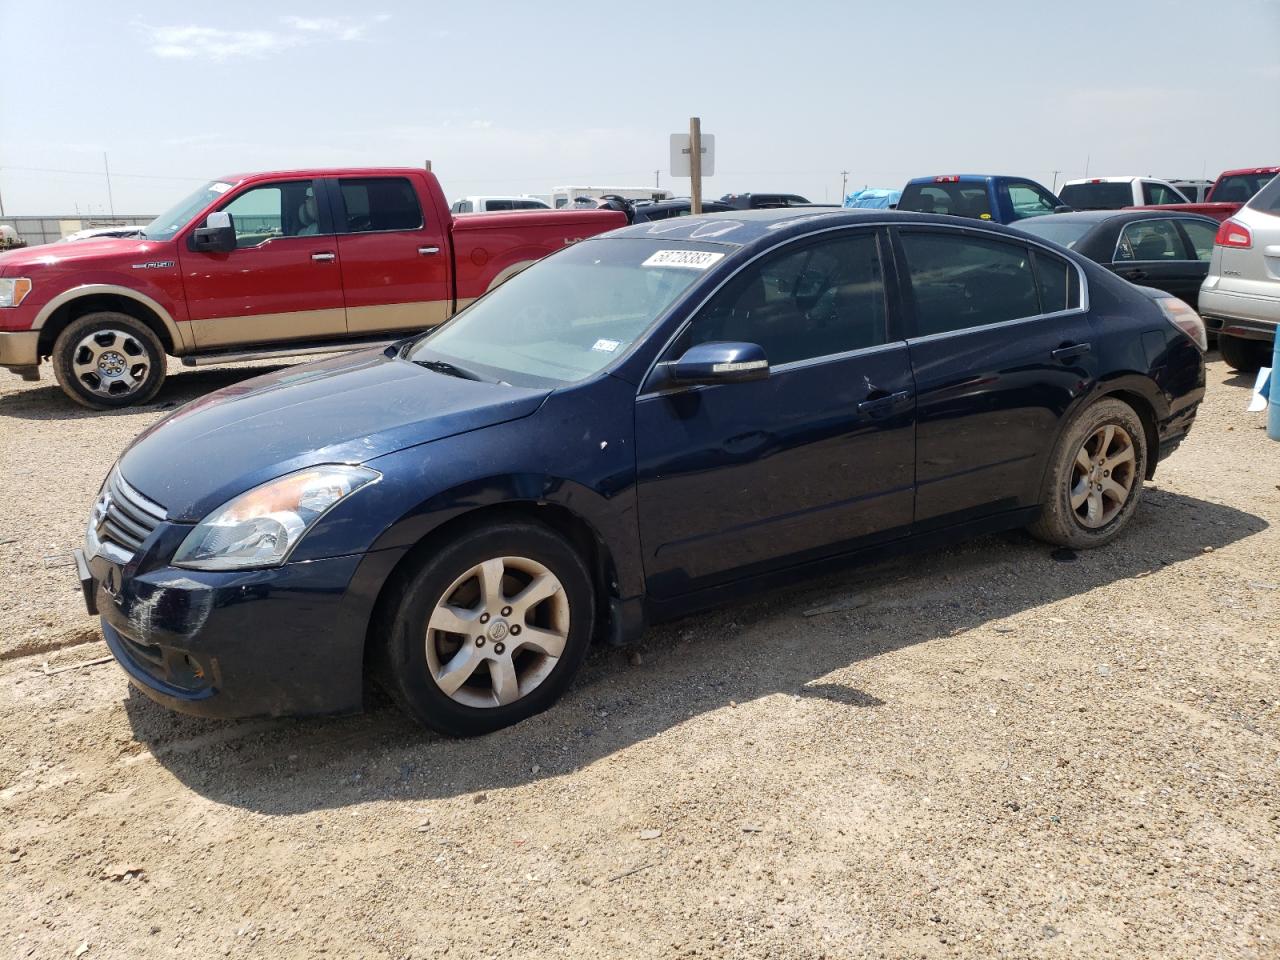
[1128,216]
[961,177]
[1245,170]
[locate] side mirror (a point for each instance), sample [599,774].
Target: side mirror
[719,363]
[218,235]
[1063,208]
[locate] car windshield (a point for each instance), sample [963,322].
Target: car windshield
[1098,196]
[1065,232]
[1238,188]
[568,316]
[179,215]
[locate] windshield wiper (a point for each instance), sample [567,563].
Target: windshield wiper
[449,369]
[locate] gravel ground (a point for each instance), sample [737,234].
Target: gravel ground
[979,752]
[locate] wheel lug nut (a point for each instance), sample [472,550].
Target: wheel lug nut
[484,618]
[506,611]
[515,629]
[479,641]
[499,648]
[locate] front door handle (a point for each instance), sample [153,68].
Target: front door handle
[324,256]
[879,405]
[1069,351]
[428,251]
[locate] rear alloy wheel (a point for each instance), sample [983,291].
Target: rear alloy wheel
[490,630]
[1094,480]
[105,360]
[1247,356]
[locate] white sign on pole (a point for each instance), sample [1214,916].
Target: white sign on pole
[680,155]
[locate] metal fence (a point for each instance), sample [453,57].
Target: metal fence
[37,230]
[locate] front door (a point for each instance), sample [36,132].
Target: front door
[395,259]
[282,282]
[1000,349]
[818,458]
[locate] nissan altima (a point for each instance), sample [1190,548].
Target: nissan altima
[644,424]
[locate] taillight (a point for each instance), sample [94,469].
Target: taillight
[1185,319]
[1233,233]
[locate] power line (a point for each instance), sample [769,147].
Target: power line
[98,173]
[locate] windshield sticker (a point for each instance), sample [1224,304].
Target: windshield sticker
[690,259]
[219,187]
[606,346]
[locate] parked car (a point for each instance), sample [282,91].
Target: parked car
[1230,192]
[1114,193]
[1158,249]
[497,204]
[263,265]
[764,201]
[636,427]
[666,209]
[979,196]
[1240,298]
[873,198]
[1196,191]
[102,233]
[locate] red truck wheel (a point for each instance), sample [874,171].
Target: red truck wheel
[107,360]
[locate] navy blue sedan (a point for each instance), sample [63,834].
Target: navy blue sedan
[644,424]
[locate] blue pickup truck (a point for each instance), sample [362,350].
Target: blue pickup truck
[979,197]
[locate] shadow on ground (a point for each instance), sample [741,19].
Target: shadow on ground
[48,402]
[700,664]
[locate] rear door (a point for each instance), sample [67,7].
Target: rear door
[395,259]
[1155,253]
[1000,349]
[282,282]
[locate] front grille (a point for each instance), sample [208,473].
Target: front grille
[123,517]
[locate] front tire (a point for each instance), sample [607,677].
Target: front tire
[107,360]
[490,630]
[1247,356]
[1095,477]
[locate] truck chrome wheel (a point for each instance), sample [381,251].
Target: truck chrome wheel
[110,363]
[1103,475]
[497,632]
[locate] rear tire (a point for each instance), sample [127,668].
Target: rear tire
[1247,356]
[1095,477]
[107,360]
[490,630]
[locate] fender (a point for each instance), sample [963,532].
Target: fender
[177,334]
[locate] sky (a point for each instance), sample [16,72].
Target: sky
[517,98]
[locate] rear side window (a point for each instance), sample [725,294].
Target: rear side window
[1097,196]
[1028,200]
[954,199]
[1150,240]
[462,206]
[960,282]
[376,204]
[1238,188]
[1201,236]
[1268,198]
[1159,193]
[528,205]
[493,206]
[1058,282]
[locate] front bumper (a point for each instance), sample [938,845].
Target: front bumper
[284,641]
[1239,314]
[19,350]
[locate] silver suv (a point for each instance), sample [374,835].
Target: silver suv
[1240,298]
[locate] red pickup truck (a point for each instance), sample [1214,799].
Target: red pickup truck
[1231,191]
[263,265]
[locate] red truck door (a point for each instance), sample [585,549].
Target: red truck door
[394,254]
[282,282]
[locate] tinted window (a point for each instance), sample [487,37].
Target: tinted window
[1150,240]
[956,199]
[1058,230]
[1239,187]
[1268,198]
[811,301]
[1201,236]
[1098,196]
[1059,284]
[528,205]
[278,210]
[1159,193]
[380,203]
[960,282]
[492,206]
[1029,200]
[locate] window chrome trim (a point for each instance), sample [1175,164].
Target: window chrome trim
[1057,314]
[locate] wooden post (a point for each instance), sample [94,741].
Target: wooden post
[695,165]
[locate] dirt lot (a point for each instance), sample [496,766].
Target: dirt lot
[984,752]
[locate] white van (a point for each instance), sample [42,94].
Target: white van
[496,204]
[565,196]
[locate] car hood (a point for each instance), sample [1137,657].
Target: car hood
[346,410]
[62,254]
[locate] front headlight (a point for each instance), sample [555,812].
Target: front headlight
[13,290]
[261,527]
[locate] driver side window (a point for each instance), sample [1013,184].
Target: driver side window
[278,210]
[810,300]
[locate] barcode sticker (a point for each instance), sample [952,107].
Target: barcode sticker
[691,259]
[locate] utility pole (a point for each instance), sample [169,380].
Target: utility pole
[1,205]
[844,185]
[695,165]
[110,199]
[655,178]
[1054,188]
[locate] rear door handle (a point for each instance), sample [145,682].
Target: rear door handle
[1134,274]
[876,406]
[428,251]
[324,256]
[1067,351]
